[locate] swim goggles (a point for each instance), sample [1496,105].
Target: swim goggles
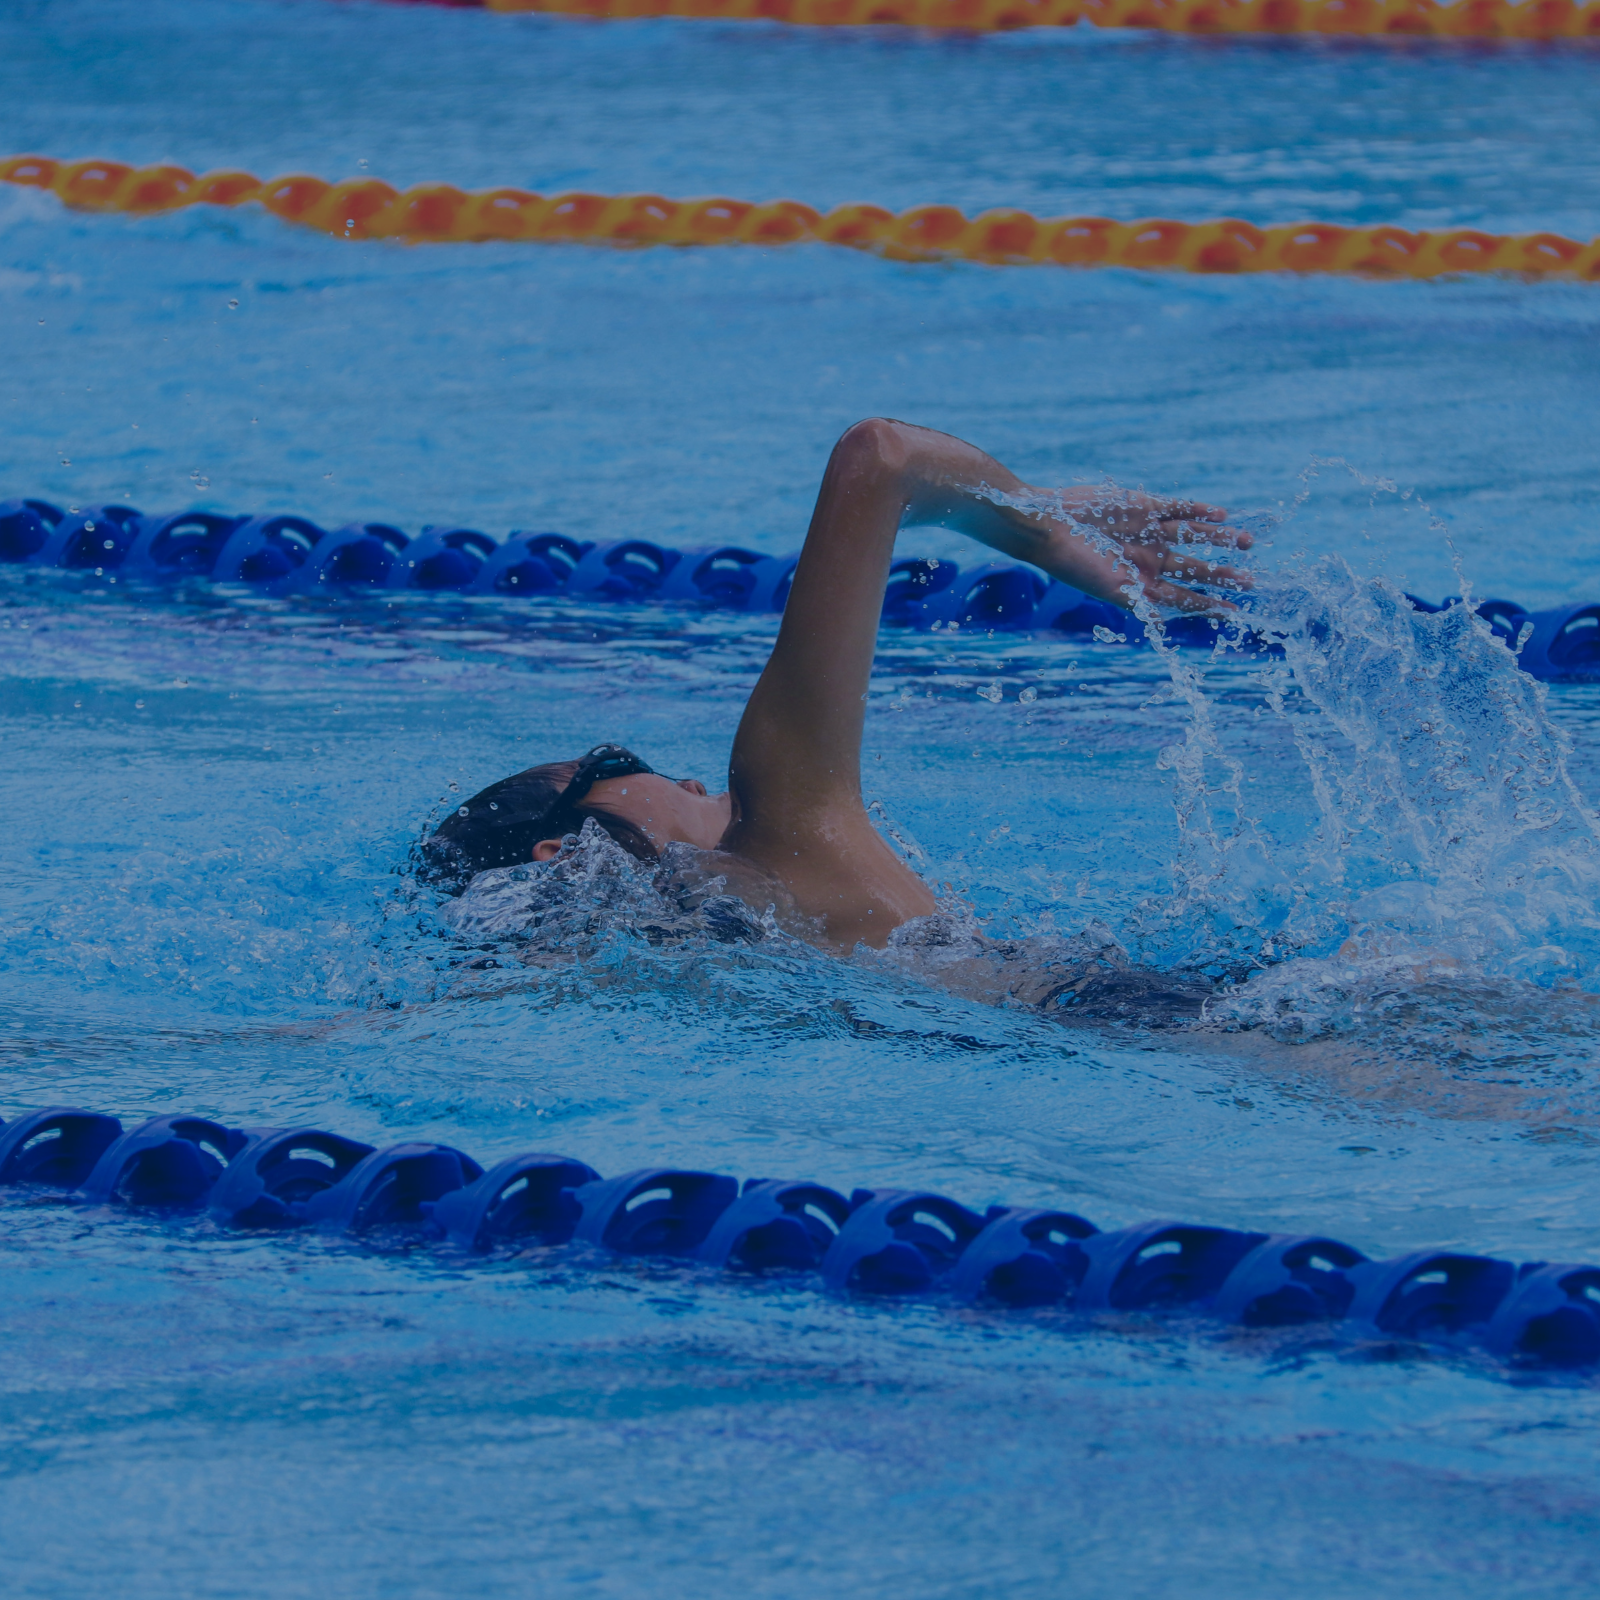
[603,762]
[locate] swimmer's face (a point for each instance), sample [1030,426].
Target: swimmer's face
[663,809]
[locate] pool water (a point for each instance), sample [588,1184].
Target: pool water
[212,797]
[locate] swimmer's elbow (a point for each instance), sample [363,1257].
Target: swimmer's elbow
[876,446]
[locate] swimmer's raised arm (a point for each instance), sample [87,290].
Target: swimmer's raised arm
[793,807]
[795,770]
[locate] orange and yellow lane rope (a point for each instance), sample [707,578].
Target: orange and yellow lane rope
[1462,19]
[365,208]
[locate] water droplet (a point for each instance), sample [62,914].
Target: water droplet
[1028,696]
[88,527]
[138,705]
[991,692]
[111,544]
[494,805]
[77,705]
[233,305]
[199,479]
[455,788]
[461,811]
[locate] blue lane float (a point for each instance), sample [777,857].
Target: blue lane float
[288,555]
[875,1243]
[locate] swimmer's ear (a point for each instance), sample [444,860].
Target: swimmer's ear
[547,850]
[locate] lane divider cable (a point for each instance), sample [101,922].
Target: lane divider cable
[285,555]
[871,1243]
[1538,20]
[440,213]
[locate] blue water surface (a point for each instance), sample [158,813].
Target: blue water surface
[211,797]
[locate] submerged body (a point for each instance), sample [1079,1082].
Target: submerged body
[566,909]
[791,829]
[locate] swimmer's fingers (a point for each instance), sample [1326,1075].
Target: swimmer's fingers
[1164,576]
[1190,569]
[1189,531]
[1174,595]
[1150,509]
[1156,519]
[1164,508]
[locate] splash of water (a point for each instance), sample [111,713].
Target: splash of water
[1435,840]
[1447,842]
[595,888]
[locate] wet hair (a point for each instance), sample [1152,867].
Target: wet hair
[499,826]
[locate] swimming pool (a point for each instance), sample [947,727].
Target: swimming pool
[213,794]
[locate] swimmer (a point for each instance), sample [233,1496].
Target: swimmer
[791,825]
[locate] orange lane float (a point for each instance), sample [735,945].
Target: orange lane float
[440,213]
[1407,19]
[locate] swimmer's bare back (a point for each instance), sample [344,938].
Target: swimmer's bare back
[795,773]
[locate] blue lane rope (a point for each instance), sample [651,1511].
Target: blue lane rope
[893,1242]
[290,555]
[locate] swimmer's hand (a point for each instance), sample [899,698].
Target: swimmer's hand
[1108,541]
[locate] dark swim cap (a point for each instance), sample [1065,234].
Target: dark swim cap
[499,826]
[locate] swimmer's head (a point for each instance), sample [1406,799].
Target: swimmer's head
[525,817]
